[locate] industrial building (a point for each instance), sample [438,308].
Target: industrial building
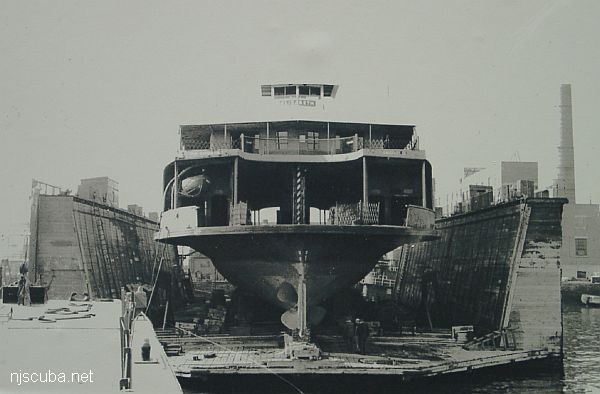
[100,189]
[580,252]
[481,187]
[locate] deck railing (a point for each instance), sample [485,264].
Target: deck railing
[126,320]
[205,144]
[340,214]
[239,214]
[359,213]
[301,146]
[187,218]
[305,145]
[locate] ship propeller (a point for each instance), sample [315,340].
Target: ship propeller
[315,315]
[287,295]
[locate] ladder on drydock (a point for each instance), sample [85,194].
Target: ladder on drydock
[515,258]
[104,253]
[402,260]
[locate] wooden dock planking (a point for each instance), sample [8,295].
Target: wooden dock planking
[452,358]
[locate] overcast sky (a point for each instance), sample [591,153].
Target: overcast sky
[99,88]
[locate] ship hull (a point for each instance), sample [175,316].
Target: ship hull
[273,261]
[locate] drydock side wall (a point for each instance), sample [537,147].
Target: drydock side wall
[461,278]
[493,268]
[58,259]
[533,308]
[79,246]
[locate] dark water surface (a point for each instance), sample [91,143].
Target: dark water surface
[580,372]
[582,349]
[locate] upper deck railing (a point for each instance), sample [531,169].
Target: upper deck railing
[305,145]
[185,219]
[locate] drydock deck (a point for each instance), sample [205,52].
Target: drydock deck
[404,357]
[72,343]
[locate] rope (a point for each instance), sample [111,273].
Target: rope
[154,285]
[252,360]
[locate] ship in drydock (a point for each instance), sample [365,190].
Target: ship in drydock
[299,211]
[333,197]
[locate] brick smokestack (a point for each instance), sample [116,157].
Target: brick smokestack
[565,182]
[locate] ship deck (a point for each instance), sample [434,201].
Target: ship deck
[76,343]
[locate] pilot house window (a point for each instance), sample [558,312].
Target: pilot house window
[581,247]
[303,90]
[290,90]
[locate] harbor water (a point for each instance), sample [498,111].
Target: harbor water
[580,372]
[582,349]
[581,365]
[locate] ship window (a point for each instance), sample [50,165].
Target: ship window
[581,247]
[282,139]
[290,90]
[279,91]
[303,90]
[581,275]
[315,90]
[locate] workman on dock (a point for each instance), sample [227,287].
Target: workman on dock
[141,300]
[349,335]
[23,293]
[362,333]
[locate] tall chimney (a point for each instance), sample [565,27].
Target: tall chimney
[565,182]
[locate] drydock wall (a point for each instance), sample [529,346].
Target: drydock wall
[58,262]
[533,308]
[494,268]
[78,245]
